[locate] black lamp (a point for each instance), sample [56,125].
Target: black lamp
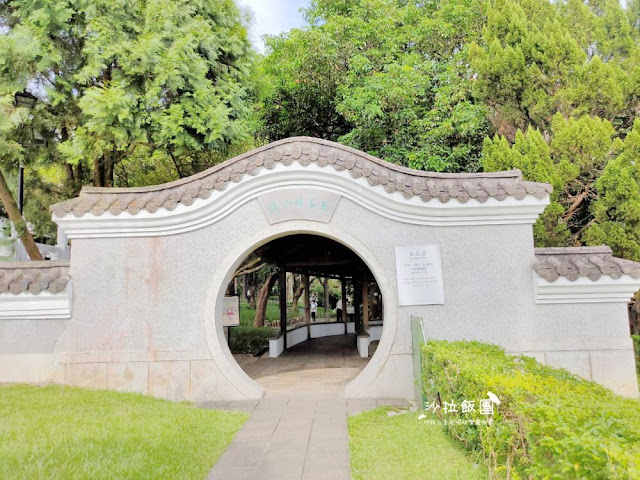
[25,100]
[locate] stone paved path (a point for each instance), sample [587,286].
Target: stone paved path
[298,431]
[290,435]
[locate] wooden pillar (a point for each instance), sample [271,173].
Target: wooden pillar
[282,294]
[357,298]
[307,307]
[325,286]
[365,301]
[343,286]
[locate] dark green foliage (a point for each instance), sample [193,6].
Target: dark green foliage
[246,339]
[549,424]
[115,76]
[122,87]
[636,350]
[388,77]
[561,83]
[551,88]
[616,211]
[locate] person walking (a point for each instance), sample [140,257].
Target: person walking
[313,307]
[339,310]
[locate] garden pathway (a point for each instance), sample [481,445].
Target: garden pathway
[298,431]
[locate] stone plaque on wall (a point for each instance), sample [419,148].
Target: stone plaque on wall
[299,204]
[419,272]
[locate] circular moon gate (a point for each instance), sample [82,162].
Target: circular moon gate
[215,333]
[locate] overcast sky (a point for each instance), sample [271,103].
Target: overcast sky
[273,16]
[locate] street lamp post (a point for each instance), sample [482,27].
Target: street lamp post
[20,187]
[24,100]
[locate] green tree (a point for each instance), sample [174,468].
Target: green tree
[566,73]
[572,162]
[112,77]
[385,76]
[616,220]
[536,58]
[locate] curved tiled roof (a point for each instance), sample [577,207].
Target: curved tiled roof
[304,150]
[575,262]
[34,277]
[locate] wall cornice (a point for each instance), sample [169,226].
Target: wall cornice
[206,211]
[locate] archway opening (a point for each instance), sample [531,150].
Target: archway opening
[309,313]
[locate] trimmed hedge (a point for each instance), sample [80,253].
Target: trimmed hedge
[250,339]
[549,424]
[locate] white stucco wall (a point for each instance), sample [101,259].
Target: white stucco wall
[145,307]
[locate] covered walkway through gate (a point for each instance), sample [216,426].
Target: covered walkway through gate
[328,362]
[329,313]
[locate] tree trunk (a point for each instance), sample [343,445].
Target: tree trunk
[263,298]
[291,280]
[78,179]
[577,201]
[70,176]
[296,297]
[98,177]
[245,287]
[17,220]
[253,277]
[108,170]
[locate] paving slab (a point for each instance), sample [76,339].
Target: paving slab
[290,435]
[298,431]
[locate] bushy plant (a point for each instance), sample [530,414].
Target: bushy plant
[549,424]
[636,350]
[245,339]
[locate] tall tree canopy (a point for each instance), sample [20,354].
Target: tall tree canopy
[561,82]
[115,76]
[386,76]
[121,85]
[551,88]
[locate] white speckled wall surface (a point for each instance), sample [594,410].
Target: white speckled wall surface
[145,305]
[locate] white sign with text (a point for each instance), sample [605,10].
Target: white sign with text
[419,271]
[231,311]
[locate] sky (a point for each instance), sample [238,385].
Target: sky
[272,17]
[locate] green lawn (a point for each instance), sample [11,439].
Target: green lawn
[247,314]
[70,433]
[405,448]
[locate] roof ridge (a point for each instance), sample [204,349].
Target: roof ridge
[304,150]
[34,277]
[37,264]
[600,249]
[575,262]
[505,174]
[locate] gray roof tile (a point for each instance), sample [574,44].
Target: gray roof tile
[575,262]
[34,277]
[304,150]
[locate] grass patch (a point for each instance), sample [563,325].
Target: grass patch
[402,447]
[248,314]
[70,433]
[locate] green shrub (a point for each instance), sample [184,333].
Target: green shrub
[250,339]
[549,424]
[636,350]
